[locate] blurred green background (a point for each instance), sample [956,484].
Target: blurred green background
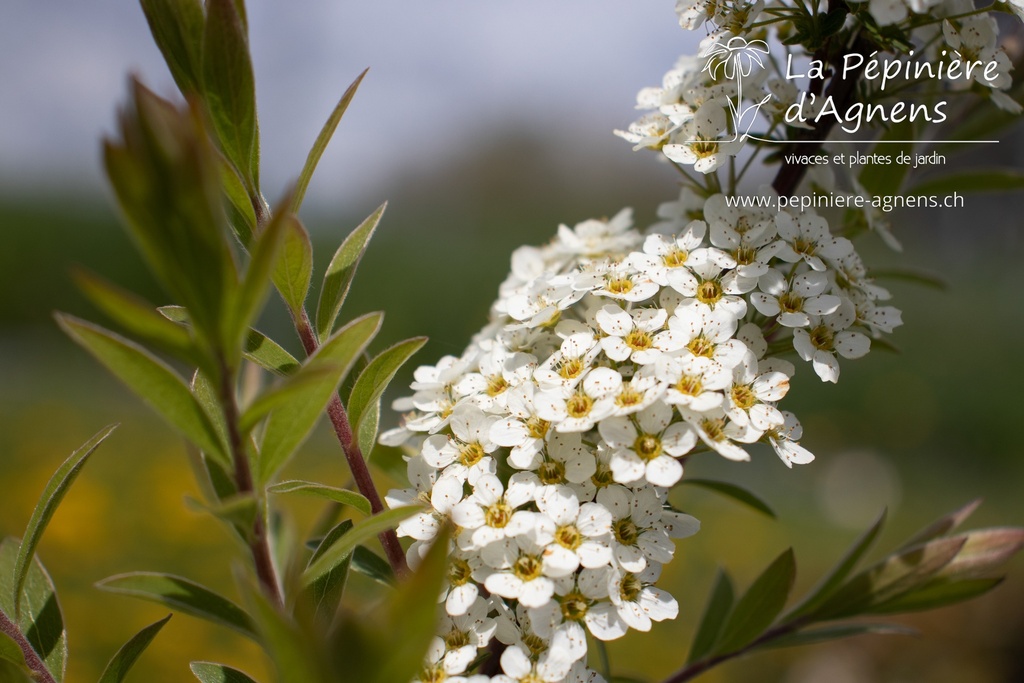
[922,431]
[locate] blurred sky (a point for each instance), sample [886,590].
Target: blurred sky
[444,74]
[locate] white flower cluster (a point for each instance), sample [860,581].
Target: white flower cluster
[552,442]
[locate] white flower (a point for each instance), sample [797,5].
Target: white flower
[794,300]
[630,335]
[785,440]
[524,431]
[522,570]
[720,434]
[664,258]
[464,634]
[638,535]
[578,410]
[695,382]
[827,337]
[637,601]
[648,449]
[753,395]
[552,667]
[579,533]
[491,513]
[808,239]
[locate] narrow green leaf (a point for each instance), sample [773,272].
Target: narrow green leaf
[824,589]
[259,348]
[294,652]
[886,179]
[208,672]
[368,425]
[375,378]
[363,531]
[177,28]
[294,268]
[325,592]
[340,272]
[757,609]
[252,294]
[717,610]
[411,614]
[229,87]
[11,652]
[53,494]
[269,355]
[943,525]
[893,576]
[138,317]
[310,488]
[289,425]
[126,657]
[241,212]
[321,142]
[208,397]
[919,277]
[182,595]
[733,491]
[150,378]
[238,511]
[975,180]
[282,393]
[372,565]
[41,620]
[936,593]
[12,673]
[180,227]
[813,636]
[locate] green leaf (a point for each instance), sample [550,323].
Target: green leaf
[887,179]
[182,595]
[11,673]
[166,176]
[138,317]
[718,608]
[757,609]
[282,393]
[269,355]
[150,378]
[813,636]
[53,494]
[893,576]
[368,426]
[376,377]
[229,88]
[294,268]
[372,565]
[208,672]
[241,212]
[208,397]
[288,426]
[310,488]
[943,525]
[975,180]
[920,277]
[238,511]
[838,574]
[292,649]
[41,620]
[325,592]
[126,657]
[177,28]
[412,614]
[11,652]
[363,531]
[321,142]
[252,294]
[340,272]
[936,593]
[984,550]
[733,491]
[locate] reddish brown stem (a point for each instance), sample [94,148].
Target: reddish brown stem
[32,659]
[259,545]
[356,462]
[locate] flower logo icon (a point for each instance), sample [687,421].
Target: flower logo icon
[735,60]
